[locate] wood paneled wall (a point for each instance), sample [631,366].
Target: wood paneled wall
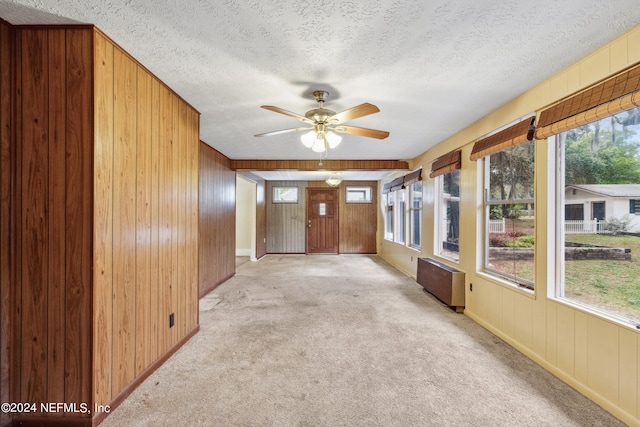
[146,220]
[47,216]
[261,218]
[98,219]
[217,219]
[286,221]
[358,222]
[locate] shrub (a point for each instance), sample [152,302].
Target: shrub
[511,239]
[618,225]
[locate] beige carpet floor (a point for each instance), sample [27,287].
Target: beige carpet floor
[327,340]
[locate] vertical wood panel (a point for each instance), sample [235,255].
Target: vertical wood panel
[358,221]
[175,212]
[8,288]
[154,314]
[182,222]
[194,151]
[79,215]
[18,312]
[603,357]
[286,226]
[216,226]
[628,372]
[165,188]
[34,219]
[103,231]
[143,220]
[581,349]
[124,221]
[56,205]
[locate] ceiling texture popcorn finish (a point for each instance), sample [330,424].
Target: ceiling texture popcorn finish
[433,67]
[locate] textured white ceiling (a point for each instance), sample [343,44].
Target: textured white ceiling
[431,66]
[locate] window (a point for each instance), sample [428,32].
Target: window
[388,227]
[509,215]
[403,209]
[400,216]
[285,194]
[415,214]
[359,195]
[448,215]
[597,216]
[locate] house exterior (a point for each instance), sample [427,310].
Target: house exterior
[602,202]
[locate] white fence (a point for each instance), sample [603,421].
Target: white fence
[589,226]
[497,225]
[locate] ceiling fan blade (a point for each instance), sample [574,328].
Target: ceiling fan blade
[286,113]
[354,112]
[278,132]
[370,133]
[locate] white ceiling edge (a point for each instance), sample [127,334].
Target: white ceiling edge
[294,175]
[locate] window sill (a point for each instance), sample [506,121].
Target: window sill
[454,260]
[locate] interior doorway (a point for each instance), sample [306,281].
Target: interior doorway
[322,221]
[245,218]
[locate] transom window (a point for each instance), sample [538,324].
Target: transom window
[358,195]
[285,194]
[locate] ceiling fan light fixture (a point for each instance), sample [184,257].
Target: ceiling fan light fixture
[308,138]
[334,180]
[321,136]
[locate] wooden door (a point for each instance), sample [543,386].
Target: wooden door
[322,221]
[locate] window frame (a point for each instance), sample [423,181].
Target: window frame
[486,203]
[368,190]
[400,216]
[557,268]
[275,199]
[389,216]
[440,216]
[413,211]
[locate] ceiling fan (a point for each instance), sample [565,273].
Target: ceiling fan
[322,124]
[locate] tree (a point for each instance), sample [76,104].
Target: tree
[604,152]
[511,176]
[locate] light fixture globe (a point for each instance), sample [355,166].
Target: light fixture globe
[333,139]
[308,138]
[319,145]
[334,180]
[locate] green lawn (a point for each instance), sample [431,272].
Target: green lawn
[610,285]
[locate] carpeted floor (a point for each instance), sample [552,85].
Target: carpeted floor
[327,340]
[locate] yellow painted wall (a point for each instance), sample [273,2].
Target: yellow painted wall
[597,356]
[245,217]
